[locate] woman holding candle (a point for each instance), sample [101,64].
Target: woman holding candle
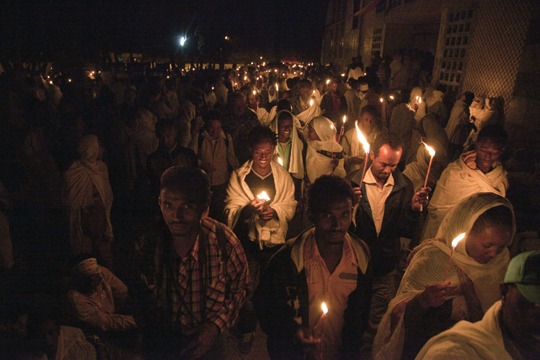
[261,225]
[434,295]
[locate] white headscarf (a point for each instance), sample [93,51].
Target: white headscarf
[429,265]
[318,164]
[296,163]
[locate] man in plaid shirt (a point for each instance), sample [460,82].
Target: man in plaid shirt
[194,271]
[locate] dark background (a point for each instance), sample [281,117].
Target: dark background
[279,29]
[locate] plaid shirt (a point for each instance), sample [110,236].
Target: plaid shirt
[205,286]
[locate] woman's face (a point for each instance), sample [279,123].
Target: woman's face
[262,156]
[485,244]
[284,129]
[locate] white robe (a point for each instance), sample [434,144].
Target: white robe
[430,265]
[81,177]
[316,163]
[458,181]
[239,195]
[480,340]
[296,161]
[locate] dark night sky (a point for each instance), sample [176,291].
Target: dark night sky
[290,28]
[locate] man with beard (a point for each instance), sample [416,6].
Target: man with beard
[323,264]
[388,209]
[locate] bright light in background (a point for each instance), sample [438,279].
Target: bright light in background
[182,40]
[227,38]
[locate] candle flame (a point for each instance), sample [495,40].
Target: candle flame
[457,239]
[254,92]
[344,119]
[419,100]
[429,149]
[313,92]
[263,196]
[327,81]
[362,138]
[277,87]
[391,97]
[311,103]
[324,308]
[381,100]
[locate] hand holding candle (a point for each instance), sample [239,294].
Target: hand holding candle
[318,329]
[431,152]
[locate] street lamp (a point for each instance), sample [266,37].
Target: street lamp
[182,40]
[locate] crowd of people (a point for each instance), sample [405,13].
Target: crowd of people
[151,216]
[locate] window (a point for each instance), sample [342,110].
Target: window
[456,39]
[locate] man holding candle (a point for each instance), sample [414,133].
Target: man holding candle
[388,209]
[261,225]
[323,264]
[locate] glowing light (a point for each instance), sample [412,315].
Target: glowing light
[381,100]
[457,239]
[362,138]
[311,103]
[324,308]
[280,161]
[344,119]
[182,40]
[391,97]
[327,81]
[430,150]
[263,196]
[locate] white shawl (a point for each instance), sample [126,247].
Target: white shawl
[459,180]
[316,163]
[239,195]
[429,266]
[296,162]
[307,115]
[80,178]
[480,340]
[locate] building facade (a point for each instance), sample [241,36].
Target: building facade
[489,47]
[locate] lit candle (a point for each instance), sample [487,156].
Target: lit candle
[263,196]
[277,87]
[318,329]
[365,145]
[311,103]
[327,81]
[254,92]
[455,243]
[431,152]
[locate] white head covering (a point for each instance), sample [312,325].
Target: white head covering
[430,265]
[296,162]
[88,149]
[316,163]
